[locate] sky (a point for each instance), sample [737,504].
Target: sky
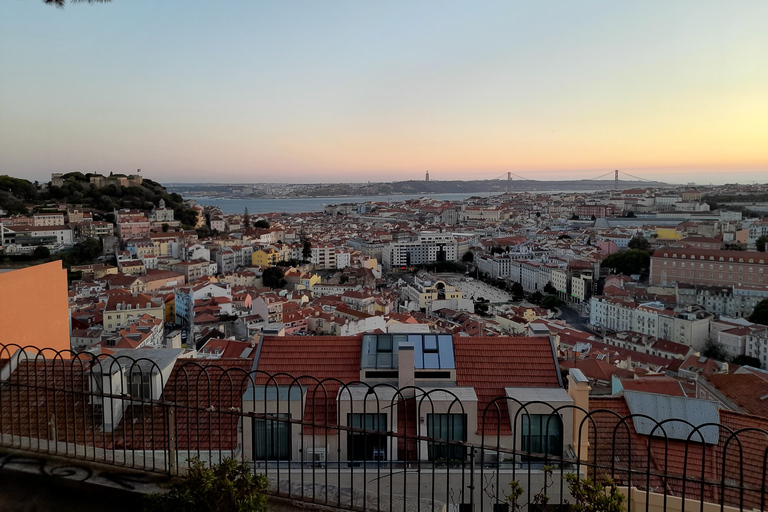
[311,91]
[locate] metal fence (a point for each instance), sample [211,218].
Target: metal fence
[365,446]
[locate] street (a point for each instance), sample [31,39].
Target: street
[574,319]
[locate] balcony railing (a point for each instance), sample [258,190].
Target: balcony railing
[370,447]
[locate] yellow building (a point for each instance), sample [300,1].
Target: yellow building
[265,257]
[668,234]
[424,291]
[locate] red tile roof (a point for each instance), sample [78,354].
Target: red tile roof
[616,445]
[331,359]
[658,385]
[45,397]
[748,391]
[204,391]
[489,364]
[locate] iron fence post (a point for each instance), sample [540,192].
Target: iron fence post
[173,469]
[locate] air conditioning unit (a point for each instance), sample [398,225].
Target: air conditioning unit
[315,455]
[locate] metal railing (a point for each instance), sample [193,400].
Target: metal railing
[367,446]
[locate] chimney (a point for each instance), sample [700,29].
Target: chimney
[405,365]
[578,389]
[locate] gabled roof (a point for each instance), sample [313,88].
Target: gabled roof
[490,364]
[330,359]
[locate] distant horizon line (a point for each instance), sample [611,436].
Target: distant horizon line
[405,181]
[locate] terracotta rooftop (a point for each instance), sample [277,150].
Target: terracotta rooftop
[748,391]
[331,359]
[617,444]
[489,364]
[660,385]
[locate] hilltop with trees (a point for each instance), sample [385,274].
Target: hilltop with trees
[19,196]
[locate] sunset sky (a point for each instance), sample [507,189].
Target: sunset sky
[327,91]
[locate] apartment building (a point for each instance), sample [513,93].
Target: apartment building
[737,300]
[124,307]
[429,248]
[671,265]
[48,219]
[689,325]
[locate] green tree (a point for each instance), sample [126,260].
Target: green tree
[306,250]
[517,291]
[548,288]
[273,277]
[639,242]
[550,302]
[229,486]
[633,261]
[760,243]
[246,219]
[536,297]
[41,252]
[481,308]
[468,257]
[261,223]
[760,313]
[714,350]
[743,360]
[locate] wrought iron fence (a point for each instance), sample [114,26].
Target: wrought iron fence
[367,446]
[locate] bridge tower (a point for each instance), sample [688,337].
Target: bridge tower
[427,178]
[509,182]
[616,179]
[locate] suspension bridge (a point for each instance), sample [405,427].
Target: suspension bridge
[615,173]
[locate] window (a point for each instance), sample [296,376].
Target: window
[451,427]
[542,433]
[370,445]
[141,385]
[272,438]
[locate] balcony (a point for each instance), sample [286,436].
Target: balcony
[383,448]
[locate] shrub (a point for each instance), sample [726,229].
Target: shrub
[226,487]
[594,495]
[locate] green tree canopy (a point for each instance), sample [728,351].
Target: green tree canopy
[550,302]
[261,223]
[760,313]
[517,290]
[743,360]
[760,243]
[633,261]
[715,350]
[639,242]
[41,252]
[273,277]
